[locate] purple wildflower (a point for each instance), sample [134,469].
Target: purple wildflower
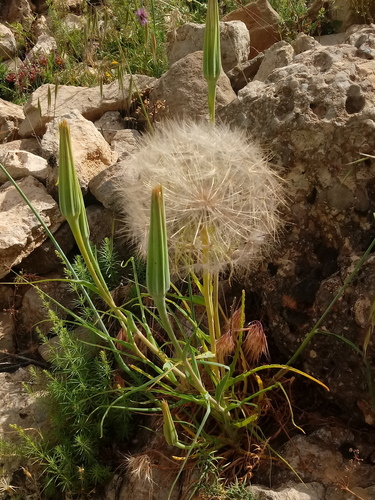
[142,16]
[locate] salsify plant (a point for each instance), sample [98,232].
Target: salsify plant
[205,379]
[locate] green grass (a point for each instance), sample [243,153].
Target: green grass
[111,41]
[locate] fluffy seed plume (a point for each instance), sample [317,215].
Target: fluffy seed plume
[221,197]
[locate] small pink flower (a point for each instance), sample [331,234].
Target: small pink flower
[142,16]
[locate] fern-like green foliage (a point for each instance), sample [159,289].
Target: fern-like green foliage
[79,390]
[211,485]
[110,266]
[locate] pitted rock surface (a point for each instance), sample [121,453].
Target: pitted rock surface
[317,116]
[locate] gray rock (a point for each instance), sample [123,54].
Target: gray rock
[125,142]
[18,407]
[8,46]
[333,39]
[12,64]
[44,258]
[100,222]
[45,45]
[316,116]
[183,90]
[104,185]
[109,124]
[11,115]
[16,11]
[244,73]
[52,347]
[279,55]
[20,232]
[91,152]
[304,42]
[189,38]
[44,105]
[30,145]
[34,313]
[331,456]
[7,331]
[289,491]
[21,164]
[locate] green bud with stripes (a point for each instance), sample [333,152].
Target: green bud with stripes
[211,54]
[157,274]
[169,428]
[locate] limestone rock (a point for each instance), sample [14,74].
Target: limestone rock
[90,102]
[44,259]
[244,73]
[45,46]
[189,38]
[325,457]
[75,5]
[31,145]
[7,331]
[8,46]
[332,39]
[73,22]
[125,142]
[289,491]
[92,153]
[15,11]
[39,26]
[304,42]
[20,232]
[317,116]
[104,185]
[184,90]
[262,21]
[109,124]
[11,115]
[363,38]
[21,164]
[279,55]
[20,408]
[34,314]
[100,222]
[12,64]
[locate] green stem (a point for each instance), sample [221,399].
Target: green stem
[211,99]
[194,380]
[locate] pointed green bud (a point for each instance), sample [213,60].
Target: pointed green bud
[169,428]
[157,274]
[211,53]
[71,201]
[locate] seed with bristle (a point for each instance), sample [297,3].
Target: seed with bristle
[139,467]
[255,344]
[225,346]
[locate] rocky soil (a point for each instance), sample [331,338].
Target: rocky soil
[311,105]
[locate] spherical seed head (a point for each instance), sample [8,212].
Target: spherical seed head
[221,196]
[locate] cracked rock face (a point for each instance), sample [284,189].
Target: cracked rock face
[20,231]
[316,116]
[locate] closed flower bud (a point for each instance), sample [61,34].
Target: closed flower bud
[169,428]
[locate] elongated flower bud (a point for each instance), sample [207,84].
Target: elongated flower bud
[157,274]
[211,53]
[169,428]
[70,195]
